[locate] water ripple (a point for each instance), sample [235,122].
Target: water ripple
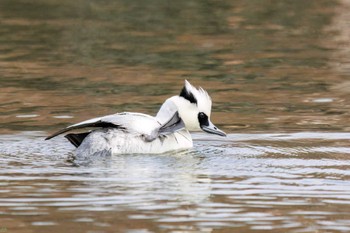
[259,182]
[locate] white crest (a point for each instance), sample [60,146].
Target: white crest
[193,106]
[201,97]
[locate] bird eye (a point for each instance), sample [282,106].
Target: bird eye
[203,119]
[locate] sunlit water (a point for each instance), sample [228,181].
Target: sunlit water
[278,75]
[279,182]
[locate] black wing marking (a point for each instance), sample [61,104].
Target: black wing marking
[76,138]
[100,124]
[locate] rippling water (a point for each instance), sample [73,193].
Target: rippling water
[278,182]
[278,75]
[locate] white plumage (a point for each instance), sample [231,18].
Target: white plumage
[127,132]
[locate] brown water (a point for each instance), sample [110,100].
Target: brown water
[278,75]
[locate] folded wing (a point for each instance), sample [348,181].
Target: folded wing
[101,122]
[149,128]
[137,123]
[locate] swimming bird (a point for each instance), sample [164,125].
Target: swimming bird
[128,132]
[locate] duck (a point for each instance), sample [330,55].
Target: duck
[134,133]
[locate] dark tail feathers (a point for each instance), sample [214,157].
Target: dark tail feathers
[76,138]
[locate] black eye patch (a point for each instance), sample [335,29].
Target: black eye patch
[203,119]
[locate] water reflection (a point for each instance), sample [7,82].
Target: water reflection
[273,67]
[263,62]
[248,182]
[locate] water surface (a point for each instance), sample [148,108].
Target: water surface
[278,75]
